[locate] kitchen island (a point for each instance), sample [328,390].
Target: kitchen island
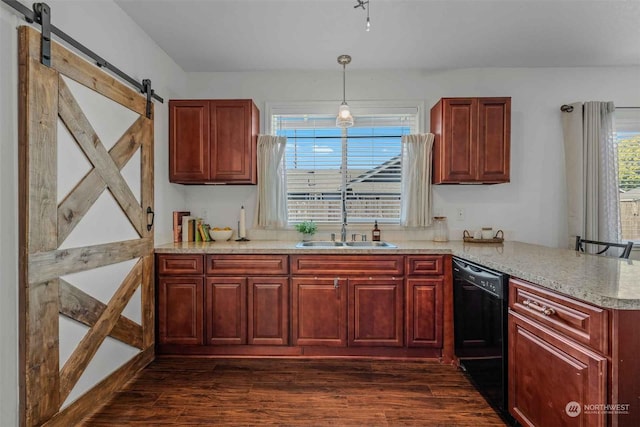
[572,316]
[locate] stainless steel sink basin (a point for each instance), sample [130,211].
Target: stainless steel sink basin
[320,244]
[370,245]
[330,244]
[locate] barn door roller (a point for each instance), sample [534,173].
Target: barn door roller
[43,17]
[41,14]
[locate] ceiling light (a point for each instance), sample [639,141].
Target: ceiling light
[344,119]
[365,6]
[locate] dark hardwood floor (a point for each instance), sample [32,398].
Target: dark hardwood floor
[336,392]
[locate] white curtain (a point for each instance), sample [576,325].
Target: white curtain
[416,180]
[591,172]
[271,208]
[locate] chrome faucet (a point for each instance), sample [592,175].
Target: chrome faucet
[343,230]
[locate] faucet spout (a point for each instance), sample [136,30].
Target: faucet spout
[343,232]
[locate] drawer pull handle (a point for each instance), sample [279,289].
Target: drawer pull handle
[547,311]
[336,282]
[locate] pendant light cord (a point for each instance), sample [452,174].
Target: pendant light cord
[344,83]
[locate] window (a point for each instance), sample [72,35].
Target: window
[359,167]
[628,145]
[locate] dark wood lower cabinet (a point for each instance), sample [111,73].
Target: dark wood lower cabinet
[319,311]
[301,305]
[226,310]
[552,378]
[268,310]
[180,304]
[376,312]
[424,312]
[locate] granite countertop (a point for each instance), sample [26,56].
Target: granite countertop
[603,281]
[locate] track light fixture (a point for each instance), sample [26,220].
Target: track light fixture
[364,4]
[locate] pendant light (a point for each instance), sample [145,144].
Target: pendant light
[344,119]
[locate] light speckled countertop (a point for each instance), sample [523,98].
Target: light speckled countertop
[603,281]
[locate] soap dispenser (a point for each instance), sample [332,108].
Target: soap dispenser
[375,233]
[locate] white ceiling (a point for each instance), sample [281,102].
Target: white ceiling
[247,35]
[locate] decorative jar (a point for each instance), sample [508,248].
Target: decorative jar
[440,229]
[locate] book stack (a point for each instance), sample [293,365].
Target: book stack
[177,224]
[187,228]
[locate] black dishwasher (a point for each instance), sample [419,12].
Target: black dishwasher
[480,329]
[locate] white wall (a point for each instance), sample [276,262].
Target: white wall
[531,208]
[106,29]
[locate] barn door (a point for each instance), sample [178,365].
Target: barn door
[86,240]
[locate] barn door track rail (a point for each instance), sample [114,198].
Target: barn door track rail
[41,14]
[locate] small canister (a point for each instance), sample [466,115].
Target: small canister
[487,233]
[440,229]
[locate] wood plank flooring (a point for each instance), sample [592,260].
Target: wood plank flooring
[288,392]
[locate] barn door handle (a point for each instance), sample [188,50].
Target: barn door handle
[150,217]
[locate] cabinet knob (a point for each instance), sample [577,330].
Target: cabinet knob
[336,282]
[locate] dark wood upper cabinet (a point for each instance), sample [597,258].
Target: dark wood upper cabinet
[472,140]
[213,141]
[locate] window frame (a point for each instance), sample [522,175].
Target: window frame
[417,107]
[635,127]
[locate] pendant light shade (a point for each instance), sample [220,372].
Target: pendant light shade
[344,119]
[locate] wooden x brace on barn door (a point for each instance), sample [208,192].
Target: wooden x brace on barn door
[46,102]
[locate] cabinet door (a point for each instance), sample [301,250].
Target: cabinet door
[319,311]
[424,312]
[268,310]
[548,372]
[180,310]
[376,312]
[234,130]
[189,141]
[494,136]
[226,310]
[457,141]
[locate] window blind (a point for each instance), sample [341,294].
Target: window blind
[359,166]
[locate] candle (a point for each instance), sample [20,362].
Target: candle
[243,224]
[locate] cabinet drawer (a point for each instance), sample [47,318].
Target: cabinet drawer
[421,264]
[347,265]
[582,322]
[180,264]
[247,264]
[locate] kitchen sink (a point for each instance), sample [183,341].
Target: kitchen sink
[369,245]
[331,244]
[320,244]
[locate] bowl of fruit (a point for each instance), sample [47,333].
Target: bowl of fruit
[220,234]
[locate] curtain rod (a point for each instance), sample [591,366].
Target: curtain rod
[568,108]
